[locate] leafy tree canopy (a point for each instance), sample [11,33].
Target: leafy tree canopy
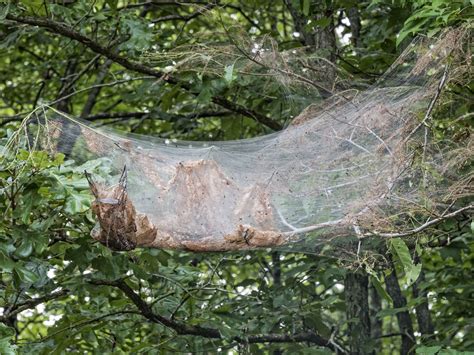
[162,68]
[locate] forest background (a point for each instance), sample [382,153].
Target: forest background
[113,63]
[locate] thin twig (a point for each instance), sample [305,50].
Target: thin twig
[342,222]
[431,106]
[422,227]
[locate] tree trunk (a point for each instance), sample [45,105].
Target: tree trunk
[404,321]
[325,37]
[357,312]
[375,306]
[423,315]
[276,274]
[320,38]
[354,19]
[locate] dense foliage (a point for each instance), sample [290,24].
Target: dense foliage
[113,62]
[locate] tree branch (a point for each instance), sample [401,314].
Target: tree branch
[31,303]
[184,18]
[223,102]
[161,3]
[69,84]
[211,333]
[423,314]
[68,32]
[85,322]
[341,222]
[244,15]
[92,97]
[123,116]
[93,87]
[423,226]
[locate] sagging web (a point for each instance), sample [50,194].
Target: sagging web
[359,164]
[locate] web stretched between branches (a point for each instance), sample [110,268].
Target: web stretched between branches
[361,163]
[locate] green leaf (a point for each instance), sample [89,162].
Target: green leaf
[454,352]
[58,159]
[77,202]
[306,4]
[6,264]
[229,73]
[25,275]
[413,273]
[25,248]
[228,332]
[205,95]
[6,332]
[402,252]
[323,22]
[4,11]
[29,200]
[168,97]
[107,266]
[37,7]
[6,348]
[112,4]
[428,350]
[140,35]
[380,289]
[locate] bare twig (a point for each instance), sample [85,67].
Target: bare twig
[113,83]
[342,222]
[92,97]
[423,226]
[85,322]
[244,15]
[68,85]
[431,106]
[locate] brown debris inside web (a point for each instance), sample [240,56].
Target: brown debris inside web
[200,185]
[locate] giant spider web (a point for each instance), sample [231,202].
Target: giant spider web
[361,163]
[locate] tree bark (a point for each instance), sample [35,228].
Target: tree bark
[375,306]
[357,312]
[423,315]
[325,37]
[404,321]
[276,270]
[354,19]
[320,37]
[276,274]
